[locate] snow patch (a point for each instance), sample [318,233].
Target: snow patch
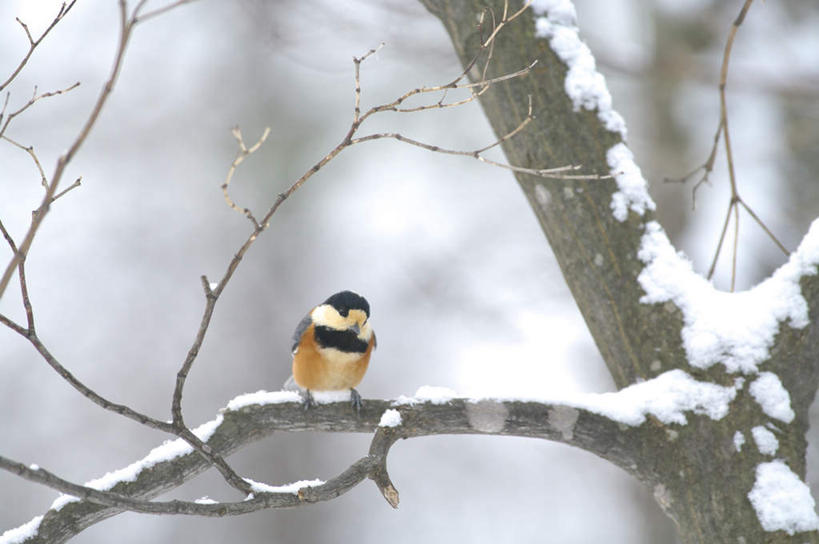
[765,440]
[772,396]
[22,533]
[390,418]
[633,194]
[329,397]
[293,488]
[734,329]
[427,393]
[261,398]
[781,500]
[739,440]
[585,86]
[666,397]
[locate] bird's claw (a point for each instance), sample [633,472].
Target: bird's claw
[355,400]
[308,401]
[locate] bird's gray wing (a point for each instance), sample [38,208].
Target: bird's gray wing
[300,328]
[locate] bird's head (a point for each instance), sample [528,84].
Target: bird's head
[344,311]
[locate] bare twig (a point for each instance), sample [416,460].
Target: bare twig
[77,183]
[33,155]
[140,18]
[8,237]
[126,27]
[21,272]
[32,43]
[706,169]
[176,427]
[557,172]
[723,132]
[86,391]
[33,100]
[176,403]
[241,155]
[764,227]
[483,86]
[259,501]
[127,23]
[357,63]
[16,327]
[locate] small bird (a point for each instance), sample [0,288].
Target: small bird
[332,346]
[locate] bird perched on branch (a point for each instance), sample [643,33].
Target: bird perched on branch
[332,346]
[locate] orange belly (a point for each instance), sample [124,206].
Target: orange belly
[327,370]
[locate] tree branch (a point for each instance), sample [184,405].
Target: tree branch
[242,425]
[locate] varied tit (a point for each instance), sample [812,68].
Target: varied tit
[332,346]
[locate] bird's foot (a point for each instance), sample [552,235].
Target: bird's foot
[308,401]
[355,400]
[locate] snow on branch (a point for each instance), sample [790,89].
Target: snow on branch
[603,424]
[736,330]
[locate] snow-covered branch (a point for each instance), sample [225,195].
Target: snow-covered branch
[611,425]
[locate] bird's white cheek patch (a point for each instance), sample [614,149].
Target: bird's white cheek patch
[366,333]
[327,316]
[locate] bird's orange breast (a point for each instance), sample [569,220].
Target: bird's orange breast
[328,369]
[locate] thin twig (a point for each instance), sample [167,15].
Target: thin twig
[554,173]
[176,403]
[723,132]
[33,155]
[707,167]
[33,100]
[77,183]
[736,244]
[357,63]
[241,155]
[127,24]
[140,18]
[32,43]
[21,272]
[13,325]
[719,244]
[8,237]
[764,227]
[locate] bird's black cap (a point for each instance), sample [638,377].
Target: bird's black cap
[344,301]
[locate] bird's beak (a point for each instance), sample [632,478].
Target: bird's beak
[356,328]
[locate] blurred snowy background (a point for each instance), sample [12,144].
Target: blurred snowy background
[464,290]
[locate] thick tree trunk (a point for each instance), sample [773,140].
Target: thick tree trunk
[695,470]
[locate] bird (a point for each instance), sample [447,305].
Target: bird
[332,345]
